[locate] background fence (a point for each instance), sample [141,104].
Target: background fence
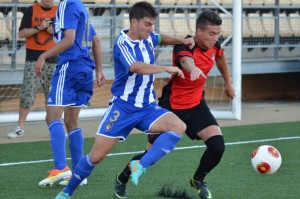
[270,40]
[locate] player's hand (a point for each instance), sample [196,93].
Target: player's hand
[174,71]
[229,90]
[196,73]
[50,29]
[100,77]
[46,23]
[39,66]
[189,42]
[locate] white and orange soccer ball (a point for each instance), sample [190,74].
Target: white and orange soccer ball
[266,159]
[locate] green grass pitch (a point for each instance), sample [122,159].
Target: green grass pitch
[233,178]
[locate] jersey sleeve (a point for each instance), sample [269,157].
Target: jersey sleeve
[92,31]
[69,15]
[125,54]
[180,50]
[220,50]
[156,39]
[26,19]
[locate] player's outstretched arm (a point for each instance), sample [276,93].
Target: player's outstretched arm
[171,40]
[223,68]
[147,69]
[188,64]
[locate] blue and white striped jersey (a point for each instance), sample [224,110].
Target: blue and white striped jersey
[72,14]
[134,88]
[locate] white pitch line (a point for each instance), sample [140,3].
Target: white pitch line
[177,148]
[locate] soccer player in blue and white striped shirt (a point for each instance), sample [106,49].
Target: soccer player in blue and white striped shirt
[133,104]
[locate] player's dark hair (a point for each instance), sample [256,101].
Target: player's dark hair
[208,17]
[142,9]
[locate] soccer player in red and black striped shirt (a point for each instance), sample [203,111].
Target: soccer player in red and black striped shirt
[185,97]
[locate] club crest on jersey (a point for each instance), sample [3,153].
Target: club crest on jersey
[150,46]
[108,126]
[213,56]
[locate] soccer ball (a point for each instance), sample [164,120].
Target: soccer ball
[266,159]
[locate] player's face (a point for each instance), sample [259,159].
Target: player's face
[47,3]
[144,27]
[207,37]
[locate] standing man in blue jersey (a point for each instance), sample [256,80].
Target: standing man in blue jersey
[133,104]
[71,86]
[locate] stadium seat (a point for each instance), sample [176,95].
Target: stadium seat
[269,24]
[246,29]
[226,2]
[255,25]
[211,3]
[26,1]
[180,24]
[203,2]
[126,22]
[246,2]
[295,2]
[284,2]
[165,24]
[284,52]
[97,1]
[269,2]
[284,26]
[102,26]
[134,1]
[192,22]
[256,2]
[9,23]
[3,29]
[226,25]
[121,2]
[87,1]
[294,19]
[168,2]
[183,2]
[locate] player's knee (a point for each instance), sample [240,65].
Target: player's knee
[179,126]
[216,145]
[95,158]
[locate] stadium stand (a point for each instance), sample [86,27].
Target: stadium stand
[295,2]
[268,24]
[269,2]
[284,26]
[180,24]
[178,17]
[165,23]
[295,23]
[168,2]
[226,25]
[285,3]
[3,29]
[255,25]
[10,21]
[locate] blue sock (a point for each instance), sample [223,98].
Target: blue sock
[83,169]
[76,143]
[164,144]
[58,143]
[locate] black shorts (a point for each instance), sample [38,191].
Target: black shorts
[196,119]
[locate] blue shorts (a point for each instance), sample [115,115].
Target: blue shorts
[121,117]
[72,85]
